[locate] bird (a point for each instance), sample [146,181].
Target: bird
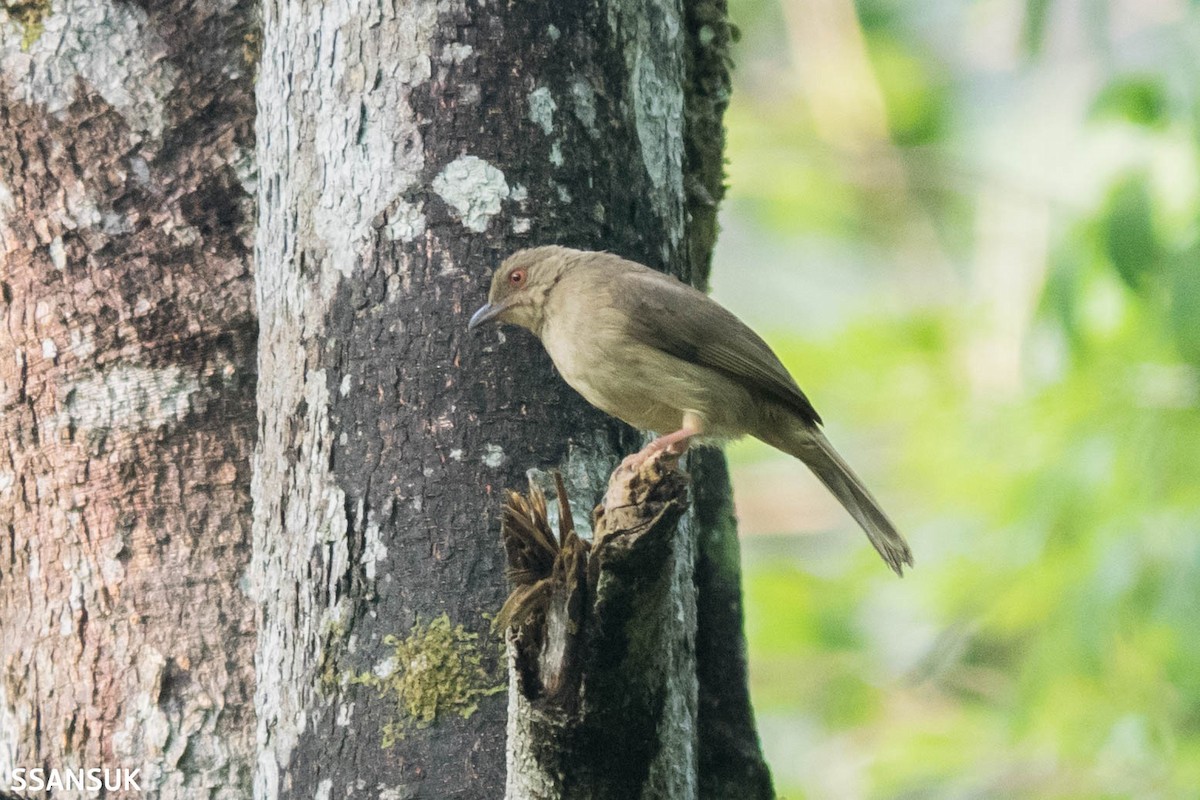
[665,357]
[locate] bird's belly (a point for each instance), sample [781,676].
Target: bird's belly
[631,401]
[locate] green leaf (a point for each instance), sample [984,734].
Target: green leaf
[914,94]
[1130,241]
[1139,99]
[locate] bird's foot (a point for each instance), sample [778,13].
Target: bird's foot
[672,445]
[633,462]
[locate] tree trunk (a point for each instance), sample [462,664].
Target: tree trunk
[404,150]
[127,343]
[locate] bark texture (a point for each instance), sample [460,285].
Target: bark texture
[404,150]
[127,423]
[626,654]
[730,759]
[602,702]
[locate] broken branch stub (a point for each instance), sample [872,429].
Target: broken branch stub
[598,634]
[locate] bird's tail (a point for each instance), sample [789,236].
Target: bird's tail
[808,444]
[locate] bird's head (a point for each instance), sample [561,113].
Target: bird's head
[520,286]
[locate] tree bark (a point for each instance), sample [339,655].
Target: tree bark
[404,151]
[127,342]
[603,684]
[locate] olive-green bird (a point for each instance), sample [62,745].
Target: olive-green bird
[664,357]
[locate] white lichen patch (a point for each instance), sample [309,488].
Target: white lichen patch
[404,791]
[368,146]
[474,189]
[58,253]
[107,45]
[115,224]
[6,208]
[556,156]
[82,345]
[658,107]
[652,44]
[244,164]
[521,225]
[80,572]
[139,168]
[324,790]
[493,456]
[80,209]
[407,222]
[384,668]
[542,108]
[145,730]
[374,548]
[111,568]
[49,349]
[456,52]
[128,396]
[585,104]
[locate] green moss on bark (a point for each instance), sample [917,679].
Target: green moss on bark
[437,669]
[329,676]
[30,15]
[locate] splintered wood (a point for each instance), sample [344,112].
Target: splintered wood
[567,592]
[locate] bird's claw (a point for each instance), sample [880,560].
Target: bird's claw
[672,446]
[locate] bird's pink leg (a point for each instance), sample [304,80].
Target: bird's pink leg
[673,444]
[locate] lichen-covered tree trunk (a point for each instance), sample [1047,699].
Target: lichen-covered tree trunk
[404,149]
[127,341]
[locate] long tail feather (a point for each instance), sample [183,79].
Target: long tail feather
[810,446]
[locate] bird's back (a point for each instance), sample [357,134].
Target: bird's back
[645,347]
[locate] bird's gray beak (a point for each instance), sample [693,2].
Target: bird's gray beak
[487,313]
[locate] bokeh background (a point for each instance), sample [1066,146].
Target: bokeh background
[969,227]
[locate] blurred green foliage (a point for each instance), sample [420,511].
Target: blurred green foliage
[1140,99]
[1130,242]
[1048,643]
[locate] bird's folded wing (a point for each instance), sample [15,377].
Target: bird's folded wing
[686,323]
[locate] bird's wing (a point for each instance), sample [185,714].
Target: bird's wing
[684,322]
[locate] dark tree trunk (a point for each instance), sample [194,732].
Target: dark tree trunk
[127,342]
[404,150]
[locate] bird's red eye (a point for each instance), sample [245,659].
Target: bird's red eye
[517,277]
